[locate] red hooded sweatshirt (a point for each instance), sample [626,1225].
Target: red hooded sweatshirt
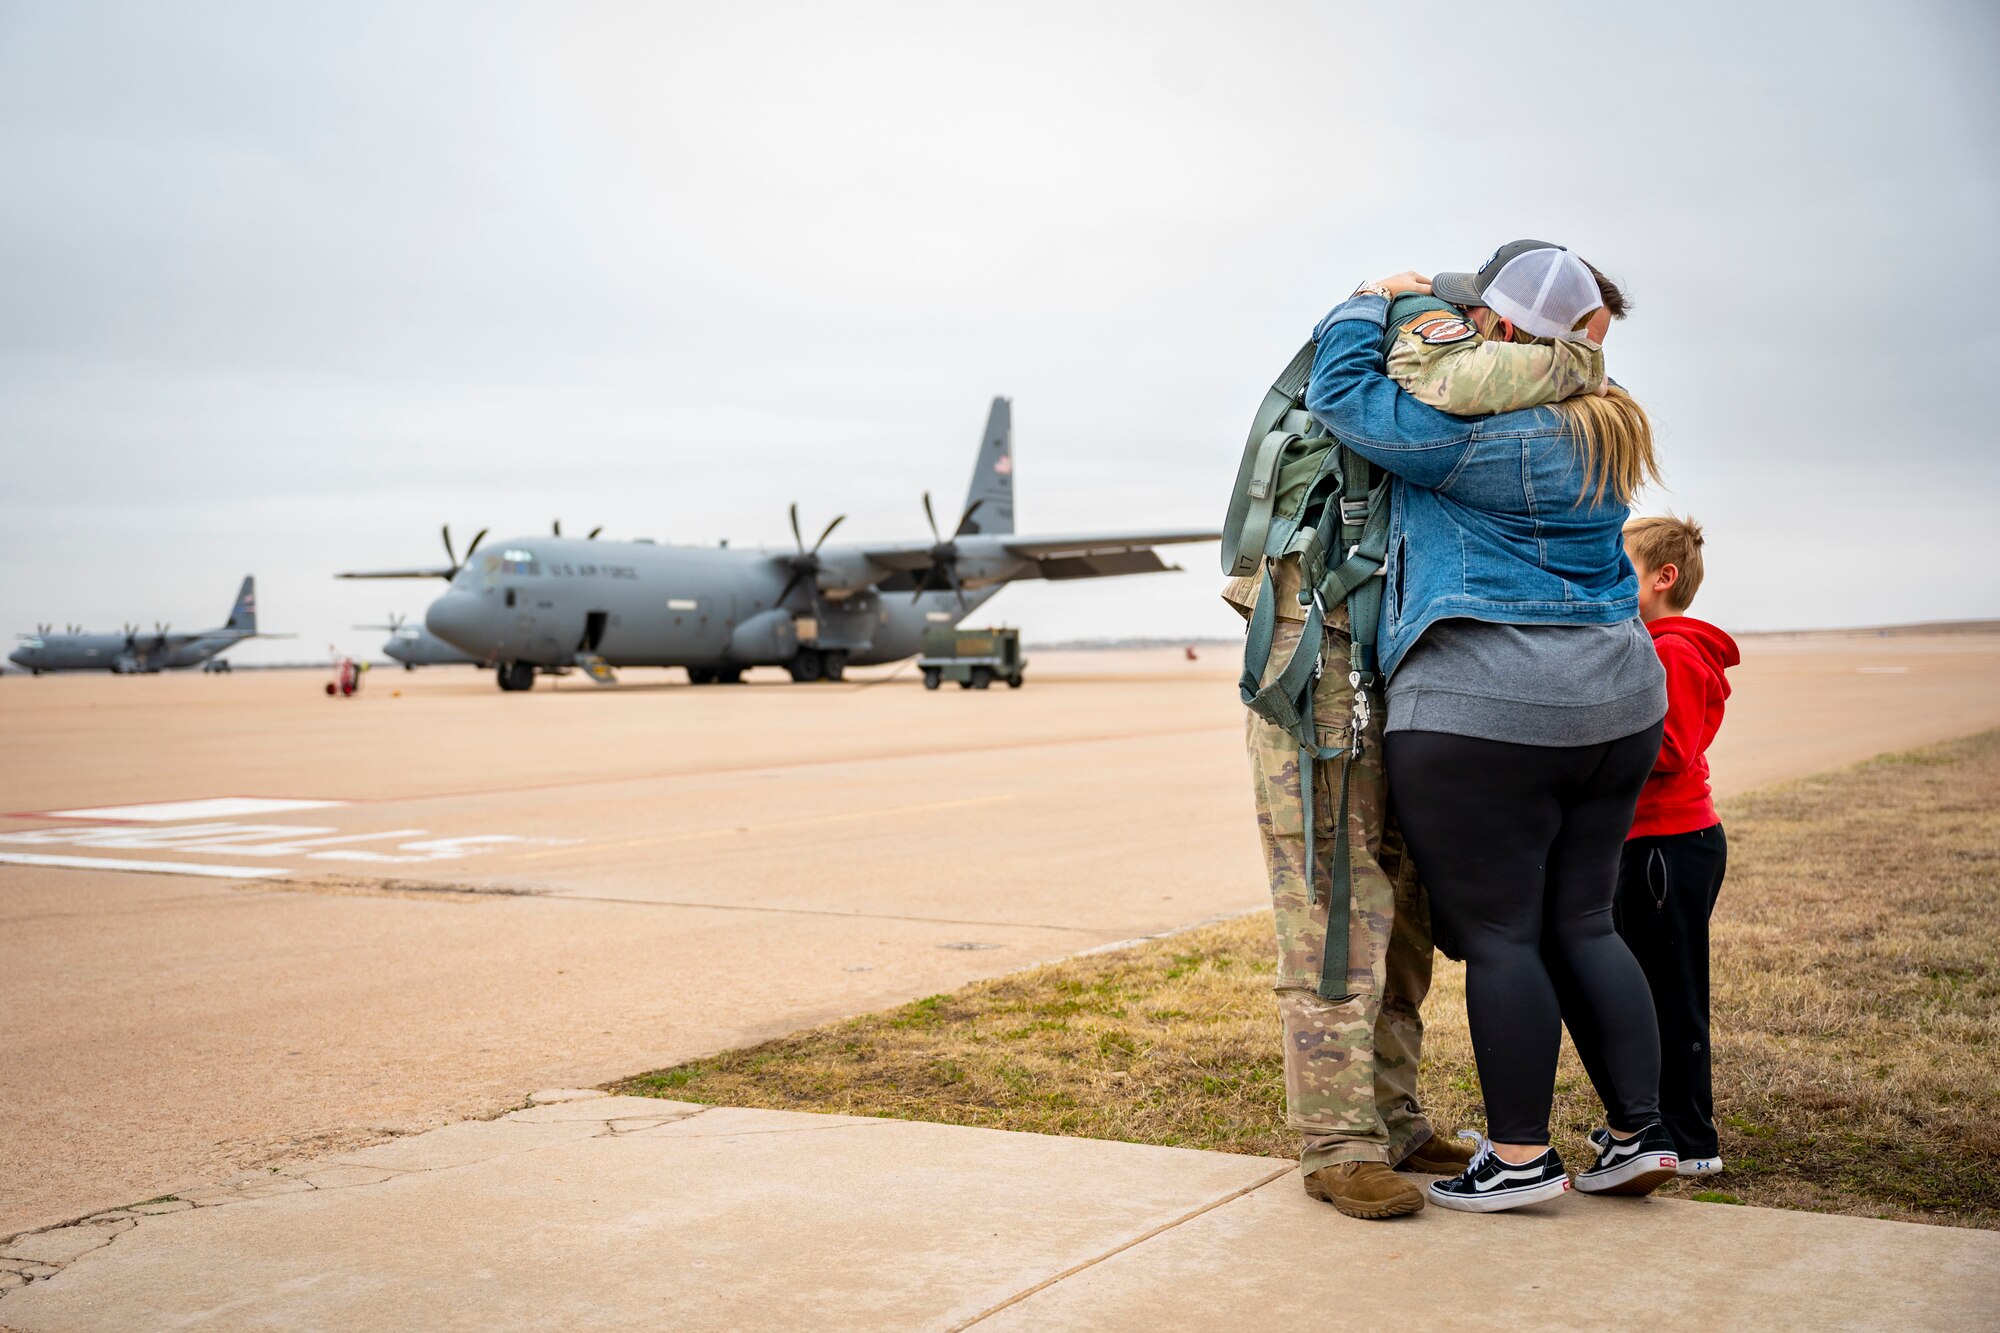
[1695,654]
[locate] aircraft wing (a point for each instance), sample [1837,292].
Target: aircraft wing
[918,554]
[998,558]
[1042,548]
[1099,555]
[442,572]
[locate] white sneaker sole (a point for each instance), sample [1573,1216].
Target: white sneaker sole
[1700,1166]
[1642,1175]
[1499,1201]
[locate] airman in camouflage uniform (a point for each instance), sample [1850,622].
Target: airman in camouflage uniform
[1351,1064]
[1439,358]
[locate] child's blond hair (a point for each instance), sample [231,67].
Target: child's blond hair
[1666,540]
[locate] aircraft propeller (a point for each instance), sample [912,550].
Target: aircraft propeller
[806,564]
[944,555]
[555,529]
[451,555]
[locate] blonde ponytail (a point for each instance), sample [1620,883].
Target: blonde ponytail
[1615,442]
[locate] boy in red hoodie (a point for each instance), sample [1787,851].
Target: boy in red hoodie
[1674,858]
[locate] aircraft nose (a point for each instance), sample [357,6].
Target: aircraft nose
[461,621]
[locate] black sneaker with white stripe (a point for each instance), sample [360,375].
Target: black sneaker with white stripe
[1490,1185]
[1637,1165]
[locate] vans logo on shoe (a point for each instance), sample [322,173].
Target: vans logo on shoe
[1500,1178]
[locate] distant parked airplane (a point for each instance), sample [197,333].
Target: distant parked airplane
[415,646]
[129,651]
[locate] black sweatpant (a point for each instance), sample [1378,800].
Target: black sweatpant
[1667,887]
[1519,846]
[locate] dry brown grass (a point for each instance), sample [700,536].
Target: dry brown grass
[1857,1017]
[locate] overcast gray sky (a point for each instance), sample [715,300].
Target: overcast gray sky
[283,288]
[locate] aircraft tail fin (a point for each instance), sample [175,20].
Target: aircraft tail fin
[243,616]
[992,489]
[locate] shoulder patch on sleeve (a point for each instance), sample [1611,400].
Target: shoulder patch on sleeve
[1443,329]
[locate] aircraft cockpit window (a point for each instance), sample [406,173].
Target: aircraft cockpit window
[517,561]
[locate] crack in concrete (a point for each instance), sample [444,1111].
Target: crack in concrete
[36,1256]
[358,887]
[1117,1250]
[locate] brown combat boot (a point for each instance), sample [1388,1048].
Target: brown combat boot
[1439,1157]
[1365,1189]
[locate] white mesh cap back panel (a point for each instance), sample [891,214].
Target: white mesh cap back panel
[1545,292]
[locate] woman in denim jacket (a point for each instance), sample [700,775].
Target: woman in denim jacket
[1524,710]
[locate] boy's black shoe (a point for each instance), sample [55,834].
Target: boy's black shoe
[1638,1165]
[1490,1185]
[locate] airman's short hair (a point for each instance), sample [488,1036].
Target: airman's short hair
[1666,540]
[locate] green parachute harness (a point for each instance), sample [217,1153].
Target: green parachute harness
[1300,491]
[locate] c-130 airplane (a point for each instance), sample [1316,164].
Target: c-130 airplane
[131,652]
[531,604]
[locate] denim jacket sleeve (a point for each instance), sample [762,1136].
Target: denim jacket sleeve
[1353,398]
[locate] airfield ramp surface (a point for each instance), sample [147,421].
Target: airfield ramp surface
[243,925]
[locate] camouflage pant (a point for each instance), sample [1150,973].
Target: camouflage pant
[1350,1065]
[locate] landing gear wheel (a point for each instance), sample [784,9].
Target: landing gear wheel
[407,666]
[516,676]
[727,675]
[805,665]
[700,676]
[965,684]
[933,678]
[832,665]
[1014,681]
[982,677]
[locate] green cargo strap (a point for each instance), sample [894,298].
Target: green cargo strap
[1250,502]
[1287,701]
[1340,901]
[1356,578]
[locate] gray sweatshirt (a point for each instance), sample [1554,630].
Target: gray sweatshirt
[1561,685]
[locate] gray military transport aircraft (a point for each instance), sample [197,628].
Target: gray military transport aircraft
[547,604]
[129,651]
[415,646]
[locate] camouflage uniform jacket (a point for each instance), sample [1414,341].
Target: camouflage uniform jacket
[1440,359]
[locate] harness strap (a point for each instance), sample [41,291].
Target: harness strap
[1287,701]
[1263,491]
[1238,556]
[1339,906]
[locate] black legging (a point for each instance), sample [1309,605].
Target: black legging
[1518,845]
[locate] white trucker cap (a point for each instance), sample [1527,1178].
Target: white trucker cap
[1544,289]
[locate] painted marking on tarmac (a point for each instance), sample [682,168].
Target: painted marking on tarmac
[214,807]
[412,845]
[145,867]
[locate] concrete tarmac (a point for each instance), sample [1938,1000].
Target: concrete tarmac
[626,1212]
[562,887]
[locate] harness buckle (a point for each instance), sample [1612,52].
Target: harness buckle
[1354,512]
